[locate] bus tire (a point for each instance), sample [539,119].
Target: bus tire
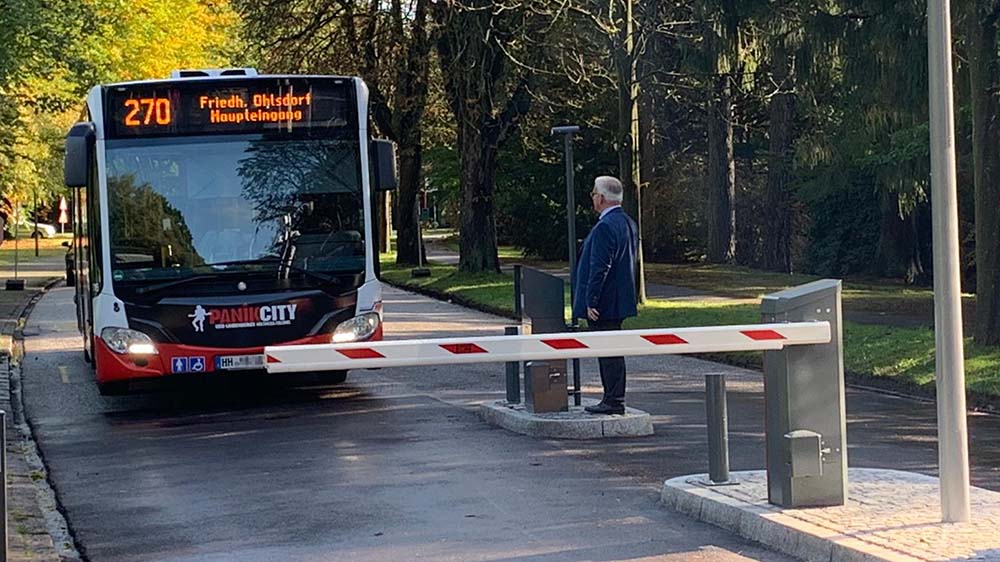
[114,388]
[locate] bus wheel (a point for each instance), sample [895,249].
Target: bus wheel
[116,388]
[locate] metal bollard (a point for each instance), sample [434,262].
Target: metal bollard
[577,394]
[576,383]
[3,474]
[718,429]
[513,372]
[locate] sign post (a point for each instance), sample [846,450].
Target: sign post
[34,233]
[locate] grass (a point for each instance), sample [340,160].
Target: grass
[492,292]
[877,296]
[47,249]
[866,295]
[901,356]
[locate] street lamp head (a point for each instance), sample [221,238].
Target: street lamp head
[565,130]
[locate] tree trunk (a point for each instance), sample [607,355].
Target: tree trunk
[721,174]
[477,240]
[381,206]
[472,51]
[407,239]
[629,154]
[898,255]
[983,67]
[778,215]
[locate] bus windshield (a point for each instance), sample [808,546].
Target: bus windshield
[180,207]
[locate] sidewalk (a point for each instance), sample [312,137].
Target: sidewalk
[28,536]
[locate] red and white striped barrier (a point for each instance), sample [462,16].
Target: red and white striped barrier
[450,351]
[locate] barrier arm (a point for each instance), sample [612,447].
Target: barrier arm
[537,347]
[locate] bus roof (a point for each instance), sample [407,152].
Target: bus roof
[220,77]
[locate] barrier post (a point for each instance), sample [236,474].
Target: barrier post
[518,301]
[3,473]
[804,413]
[513,372]
[718,429]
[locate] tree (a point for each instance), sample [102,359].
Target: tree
[51,53]
[777,222]
[984,80]
[721,51]
[488,92]
[390,45]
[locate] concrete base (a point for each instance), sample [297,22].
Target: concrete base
[890,515]
[574,424]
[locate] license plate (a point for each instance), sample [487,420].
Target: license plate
[237,362]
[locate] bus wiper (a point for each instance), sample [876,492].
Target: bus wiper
[274,259]
[175,283]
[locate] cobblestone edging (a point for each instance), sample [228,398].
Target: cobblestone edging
[37,530]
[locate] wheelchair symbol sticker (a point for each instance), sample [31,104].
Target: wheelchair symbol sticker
[197,364]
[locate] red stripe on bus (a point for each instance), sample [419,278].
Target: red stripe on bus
[361,353]
[664,339]
[568,343]
[762,335]
[460,348]
[272,359]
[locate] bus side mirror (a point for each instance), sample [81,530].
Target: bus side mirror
[79,144]
[385,165]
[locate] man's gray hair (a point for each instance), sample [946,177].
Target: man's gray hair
[609,187]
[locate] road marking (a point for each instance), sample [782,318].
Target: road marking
[64,374]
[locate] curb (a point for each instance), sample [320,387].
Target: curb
[57,526]
[7,340]
[454,299]
[574,424]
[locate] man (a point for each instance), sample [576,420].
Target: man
[605,283]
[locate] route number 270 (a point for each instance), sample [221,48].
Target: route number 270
[144,111]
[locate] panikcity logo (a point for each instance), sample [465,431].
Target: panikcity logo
[243,316]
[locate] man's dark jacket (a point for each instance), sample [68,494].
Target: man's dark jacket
[605,274]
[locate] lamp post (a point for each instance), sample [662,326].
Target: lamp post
[568,131]
[953,441]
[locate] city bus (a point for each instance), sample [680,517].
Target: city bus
[220,211]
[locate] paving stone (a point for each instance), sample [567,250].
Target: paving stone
[890,515]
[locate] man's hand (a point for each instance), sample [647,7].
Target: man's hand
[593,314]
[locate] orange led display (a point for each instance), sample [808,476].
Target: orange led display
[145,111]
[310,106]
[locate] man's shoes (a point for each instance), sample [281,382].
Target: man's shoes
[605,409]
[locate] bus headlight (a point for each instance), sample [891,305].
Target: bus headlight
[124,340]
[361,327]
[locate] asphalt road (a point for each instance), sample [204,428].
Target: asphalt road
[393,465]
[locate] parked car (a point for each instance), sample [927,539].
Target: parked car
[70,270]
[26,229]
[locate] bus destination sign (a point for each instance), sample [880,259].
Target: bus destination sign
[229,106]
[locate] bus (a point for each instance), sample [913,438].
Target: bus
[220,211]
